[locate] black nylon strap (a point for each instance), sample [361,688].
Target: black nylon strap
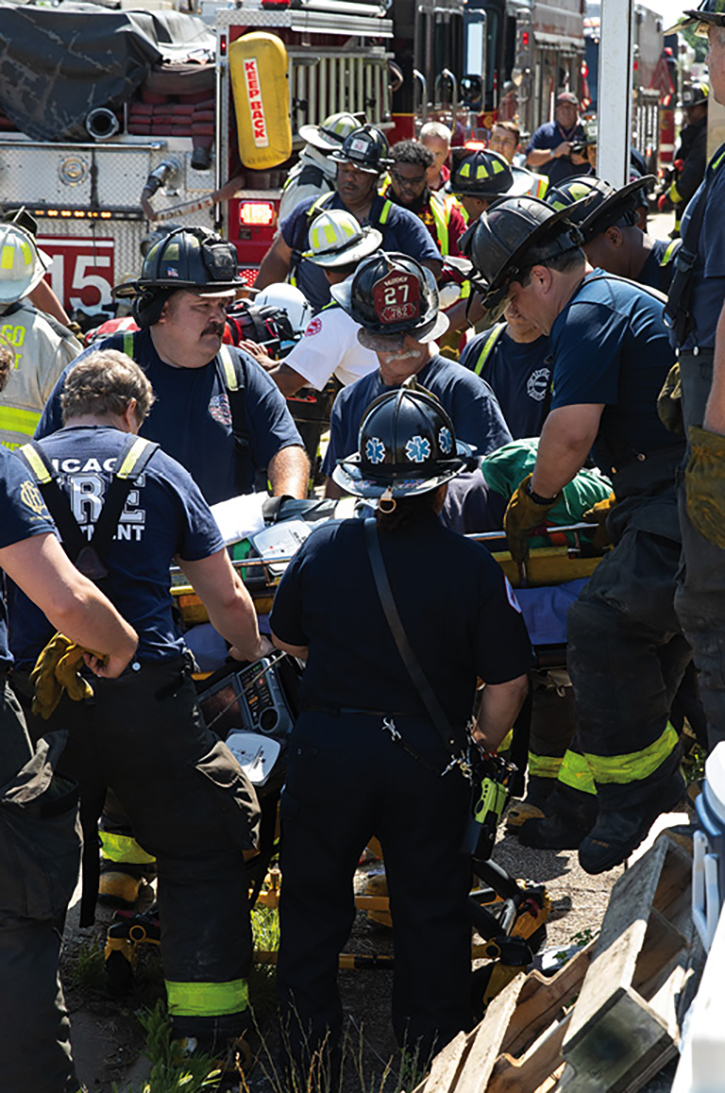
[416,673]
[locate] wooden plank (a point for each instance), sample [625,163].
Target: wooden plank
[446,1066]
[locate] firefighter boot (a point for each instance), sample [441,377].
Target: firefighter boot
[120,882]
[570,814]
[618,832]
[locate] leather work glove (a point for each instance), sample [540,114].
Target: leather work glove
[597,515]
[57,670]
[523,515]
[669,402]
[705,485]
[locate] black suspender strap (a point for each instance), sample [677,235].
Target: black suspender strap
[87,555]
[416,673]
[234,380]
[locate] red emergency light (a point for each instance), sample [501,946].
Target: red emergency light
[258,214]
[276,3]
[525,39]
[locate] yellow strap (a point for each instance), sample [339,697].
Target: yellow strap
[488,346]
[544,766]
[39,468]
[134,454]
[230,372]
[128,343]
[635,765]
[575,772]
[123,849]
[385,212]
[207,999]
[15,420]
[439,210]
[668,255]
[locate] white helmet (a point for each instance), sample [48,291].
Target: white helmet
[21,267]
[290,300]
[336,239]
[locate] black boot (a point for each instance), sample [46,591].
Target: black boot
[570,814]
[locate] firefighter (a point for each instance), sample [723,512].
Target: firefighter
[366,756]
[361,161]
[405,346]
[329,347]
[408,187]
[612,239]
[142,735]
[39,836]
[695,308]
[691,153]
[42,347]
[626,654]
[218,414]
[314,173]
[478,178]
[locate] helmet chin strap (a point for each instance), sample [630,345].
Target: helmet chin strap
[387,503]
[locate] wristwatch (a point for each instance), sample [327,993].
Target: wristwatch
[537,498]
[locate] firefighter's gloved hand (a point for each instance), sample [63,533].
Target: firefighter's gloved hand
[523,515]
[669,402]
[705,485]
[57,669]
[598,514]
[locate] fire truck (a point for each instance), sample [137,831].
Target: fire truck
[116,123]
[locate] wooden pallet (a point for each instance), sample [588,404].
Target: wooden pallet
[626,1022]
[517,1046]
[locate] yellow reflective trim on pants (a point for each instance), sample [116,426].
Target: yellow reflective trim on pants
[635,765]
[506,742]
[544,766]
[575,772]
[13,420]
[123,848]
[207,999]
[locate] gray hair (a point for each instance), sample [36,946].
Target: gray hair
[436,129]
[103,383]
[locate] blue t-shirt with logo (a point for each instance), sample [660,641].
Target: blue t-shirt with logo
[611,346]
[708,278]
[165,515]
[402,231]
[468,400]
[520,377]
[192,417]
[22,515]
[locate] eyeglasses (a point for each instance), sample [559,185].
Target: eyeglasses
[403,181]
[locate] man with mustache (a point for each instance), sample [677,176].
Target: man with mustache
[217,412]
[360,162]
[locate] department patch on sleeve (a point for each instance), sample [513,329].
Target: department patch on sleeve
[313,328]
[32,498]
[511,596]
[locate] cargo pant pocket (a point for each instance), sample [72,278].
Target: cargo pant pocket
[40,848]
[233,794]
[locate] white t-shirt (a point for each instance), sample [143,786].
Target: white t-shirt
[329,347]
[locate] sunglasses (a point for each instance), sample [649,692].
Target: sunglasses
[402,181]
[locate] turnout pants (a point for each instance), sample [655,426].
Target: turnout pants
[700,599]
[192,808]
[626,654]
[346,781]
[40,849]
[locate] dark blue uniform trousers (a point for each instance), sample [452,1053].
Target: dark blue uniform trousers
[348,780]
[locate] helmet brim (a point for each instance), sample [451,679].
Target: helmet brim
[318,138]
[350,477]
[220,290]
[612,206]
[380,343]
[382,164]
[696,20]
[363,248]
[426,331]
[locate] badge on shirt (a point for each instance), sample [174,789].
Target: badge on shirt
[220,409]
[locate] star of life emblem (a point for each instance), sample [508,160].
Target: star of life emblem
[445,440]
[375,450]
[417,449]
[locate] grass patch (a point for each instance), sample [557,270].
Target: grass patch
[168,1075]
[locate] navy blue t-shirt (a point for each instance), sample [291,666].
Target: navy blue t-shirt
[192,419]
[165,516]
[610,345]
[353,660]
[469,401]
[22,515]
[520,377]
[708,293]
[659,266]
[551,135]
[402,231]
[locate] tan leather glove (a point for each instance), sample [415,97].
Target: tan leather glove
[705,485]
[669,402]
[598,514]
[57,669]
[523,515]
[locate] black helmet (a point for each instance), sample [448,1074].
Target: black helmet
[480,173]
[406,445]
[697,94]
[596,205]
[392,295]
[709,13]
[187,258]
[508,238]
[366,148]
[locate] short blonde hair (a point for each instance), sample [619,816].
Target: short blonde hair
[104,382]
